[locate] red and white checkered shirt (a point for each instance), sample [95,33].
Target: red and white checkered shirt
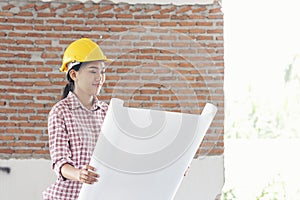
[73,132]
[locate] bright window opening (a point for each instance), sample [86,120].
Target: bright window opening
[262,98]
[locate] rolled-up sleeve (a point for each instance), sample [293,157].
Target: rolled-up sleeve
[58,142]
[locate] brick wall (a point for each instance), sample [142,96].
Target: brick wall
[166,57]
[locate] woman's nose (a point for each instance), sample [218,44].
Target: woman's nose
[100,76]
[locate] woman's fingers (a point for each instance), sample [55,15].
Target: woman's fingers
[88,175]
[88,180]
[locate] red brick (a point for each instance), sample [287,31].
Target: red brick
[29,138]
[38,118]
[130,23]
[168,24]
[24,42]
[197,17]
[67,15]
[149,23]
[204,37]
[42,28]
[42,7]
[6,83]
[6,27]
[3,118]
[34,21]
[6,137]
[27,6]
[158,16]
[8,7]
[49,55]
[35,35]
[51,76]
[187,23]
[179,17]
[82,29]
[7,14]
[215,10]
[195,31]
[170,105]
[6,151]
[160,98]
[215,31]
[142,16]
[168,10]
[3,76]
[74,21]
[41,124]
[55,21]
[41,151]
[61,6]
[13,130]
[17,144]
[198,10]
[181,30]
[118,29]
[76,7]
[184,9]
[25,14]
[103,8]
[26,111]
[215,17]
[105,15]
[15,20]
[219,23]
[16,48]
[204,23]
[36,144]
[141,98]
[17,118]
[124,16]
[23,151]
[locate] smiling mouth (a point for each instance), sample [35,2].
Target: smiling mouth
[97,85]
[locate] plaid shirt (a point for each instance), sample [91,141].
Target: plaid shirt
[73,132]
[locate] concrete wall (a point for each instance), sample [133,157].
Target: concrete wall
[28,178]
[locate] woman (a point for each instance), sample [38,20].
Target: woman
[74,123]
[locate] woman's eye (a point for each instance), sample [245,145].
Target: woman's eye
[93,72]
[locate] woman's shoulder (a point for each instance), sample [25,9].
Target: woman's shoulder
[61,106]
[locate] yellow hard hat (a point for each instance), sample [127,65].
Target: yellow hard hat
[82,50]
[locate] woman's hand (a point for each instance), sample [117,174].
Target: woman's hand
[88,175]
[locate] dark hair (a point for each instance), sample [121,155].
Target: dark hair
[70,85]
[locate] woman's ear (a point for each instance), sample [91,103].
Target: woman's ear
[73,74]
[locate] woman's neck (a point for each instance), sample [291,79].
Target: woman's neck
[86,100]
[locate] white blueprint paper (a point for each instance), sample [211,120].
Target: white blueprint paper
[142,154]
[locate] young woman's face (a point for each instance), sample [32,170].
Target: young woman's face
[90,78]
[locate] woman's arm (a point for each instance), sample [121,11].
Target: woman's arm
[86,174]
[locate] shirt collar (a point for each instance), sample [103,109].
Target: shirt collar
[75,103]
